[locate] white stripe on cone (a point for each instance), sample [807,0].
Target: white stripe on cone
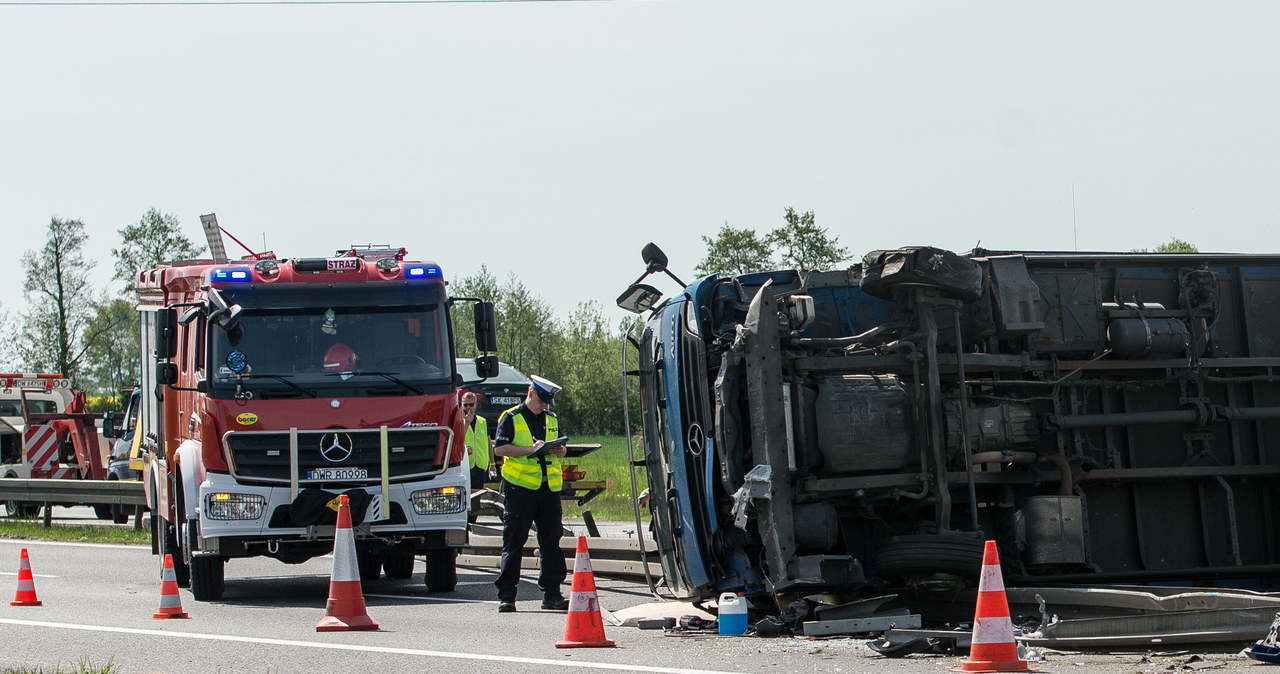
[345,567]
[992,630]
[991,580]
[582,563]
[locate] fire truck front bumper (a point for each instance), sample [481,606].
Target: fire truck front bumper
[229,509]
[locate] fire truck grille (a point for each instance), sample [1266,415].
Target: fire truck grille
[335,455]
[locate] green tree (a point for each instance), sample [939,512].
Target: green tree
[735,251]
[527,331]
[157,237]
[589,371]
[482,285]
[804,245]
[112,360]
[60,301]
[1173,245]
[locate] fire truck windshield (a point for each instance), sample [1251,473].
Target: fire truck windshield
[332,350]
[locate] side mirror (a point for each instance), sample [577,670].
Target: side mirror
[166,337]
[486,366]
[109,429]
[654,258]
[486,328]
[166,374]
[639,298]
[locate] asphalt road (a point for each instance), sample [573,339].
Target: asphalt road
[99,599]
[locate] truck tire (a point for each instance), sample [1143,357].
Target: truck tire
[370,566]
[102,511]
[398,563]
[901,557]
[208,574]
[442,570]
[20,508]
[169,546]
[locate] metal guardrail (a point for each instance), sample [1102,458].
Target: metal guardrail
[610,556]
[101,492]
[89,492]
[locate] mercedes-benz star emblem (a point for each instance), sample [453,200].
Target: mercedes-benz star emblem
[336,447]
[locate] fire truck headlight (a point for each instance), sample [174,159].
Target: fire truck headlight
[439,501]
[224,506]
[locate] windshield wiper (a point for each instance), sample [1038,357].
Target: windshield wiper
[386,375]
[282,379]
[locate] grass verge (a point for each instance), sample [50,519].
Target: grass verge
[76,533]
[608,464]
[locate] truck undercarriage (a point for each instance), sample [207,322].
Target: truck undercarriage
[1103,417]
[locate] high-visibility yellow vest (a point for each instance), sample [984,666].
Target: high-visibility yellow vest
[527,472]
[477,438]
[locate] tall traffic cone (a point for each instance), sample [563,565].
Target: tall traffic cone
[583,626]
[345,610]
[170,602]
[26,594]
[992,648]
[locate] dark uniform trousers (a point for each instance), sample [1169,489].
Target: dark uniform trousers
[526,507]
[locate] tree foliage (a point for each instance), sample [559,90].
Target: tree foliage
[734,251]
[156,237]
[60,301]
[1173,245]
[802,244]
[112,360]
[798,244]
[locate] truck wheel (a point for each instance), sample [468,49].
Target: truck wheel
[370,566]
[901,557]
[398,563]
[119,515]
[20,508]
[442,570]
[169,546]
[102,511]
[208,573]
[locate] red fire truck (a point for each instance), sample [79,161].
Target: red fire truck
[272,386]
[46,432]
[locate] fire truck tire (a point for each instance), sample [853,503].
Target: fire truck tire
[398,563]
[442,570]
[169,546]
[208,574]
[370,566]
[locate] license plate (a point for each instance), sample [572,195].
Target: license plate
[338,474]
[504,400]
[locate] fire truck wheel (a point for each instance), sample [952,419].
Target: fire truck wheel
[370,566]
[169,546]
[398,563]
[207,577]
[442,570]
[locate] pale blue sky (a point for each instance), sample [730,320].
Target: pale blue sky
[555,139]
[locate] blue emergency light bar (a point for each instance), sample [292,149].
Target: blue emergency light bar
[230,275]
[422,271]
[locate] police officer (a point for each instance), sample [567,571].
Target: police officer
[531,479]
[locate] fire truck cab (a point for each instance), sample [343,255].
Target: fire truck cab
[273,386]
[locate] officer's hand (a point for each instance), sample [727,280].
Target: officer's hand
[560,451]
[537,448]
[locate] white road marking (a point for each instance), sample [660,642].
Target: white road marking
[34,575]
[421,598]
[368,649]
[25,543]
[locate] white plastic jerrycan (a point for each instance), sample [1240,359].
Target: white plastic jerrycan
[733,613]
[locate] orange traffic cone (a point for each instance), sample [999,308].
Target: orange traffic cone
[583,626]
[993,648]
[345,610]
[170,602]
[26,594]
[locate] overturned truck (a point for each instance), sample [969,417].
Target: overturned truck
[1106,418]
